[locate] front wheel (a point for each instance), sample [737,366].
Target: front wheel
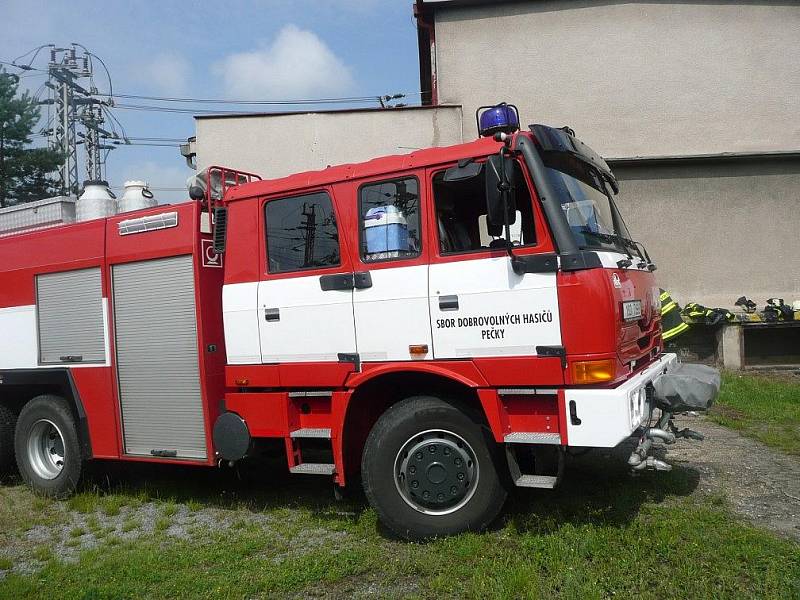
[431,470]
[47,448]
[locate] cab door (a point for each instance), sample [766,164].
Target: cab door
[390,301]
[479,306]
[305,298]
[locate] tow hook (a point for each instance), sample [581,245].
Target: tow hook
[640,459]
[651,463]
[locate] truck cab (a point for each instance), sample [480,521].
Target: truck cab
[402,261]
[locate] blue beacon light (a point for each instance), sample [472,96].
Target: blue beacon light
[501,118]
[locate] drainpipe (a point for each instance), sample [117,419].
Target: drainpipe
[426,40]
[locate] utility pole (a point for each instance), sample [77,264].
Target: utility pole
[309,228]
[92,119]
[74,105]
[64,69]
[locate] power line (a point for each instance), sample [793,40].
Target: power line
[153,188]
[157,139]
[332,100]
[126,144]
[193,111]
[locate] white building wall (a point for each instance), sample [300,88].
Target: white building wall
[279,145]
[632,78]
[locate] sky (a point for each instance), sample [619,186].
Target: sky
[238,50]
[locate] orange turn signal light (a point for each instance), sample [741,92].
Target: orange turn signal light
[418,349]
[592,371]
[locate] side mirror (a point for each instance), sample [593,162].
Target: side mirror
[463,171]
[501,202]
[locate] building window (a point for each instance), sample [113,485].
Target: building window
[302,233]
[390,222]
[461,214]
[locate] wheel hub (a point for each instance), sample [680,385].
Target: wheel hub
[436,472]
[46,449]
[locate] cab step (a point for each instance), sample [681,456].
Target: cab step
[311,432]
[313,469]
[533,437]
[536,481]
[546,458]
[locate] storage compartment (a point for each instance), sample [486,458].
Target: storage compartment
[69,309]
[42,214]
[157,358]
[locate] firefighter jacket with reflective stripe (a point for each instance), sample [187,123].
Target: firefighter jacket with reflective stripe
[671,321]
[697,313]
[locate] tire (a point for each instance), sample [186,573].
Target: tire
[47,448]
[8,422]
[422,439]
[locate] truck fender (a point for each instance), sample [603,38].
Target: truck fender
[29,383]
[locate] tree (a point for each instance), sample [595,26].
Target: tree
[23,171]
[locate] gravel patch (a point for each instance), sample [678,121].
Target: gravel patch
[76,531]
[762,485]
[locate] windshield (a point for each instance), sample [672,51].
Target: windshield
[591,214]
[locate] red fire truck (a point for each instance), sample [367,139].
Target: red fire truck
[440,326]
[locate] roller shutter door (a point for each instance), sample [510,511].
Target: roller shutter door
[157,358]
[70,317]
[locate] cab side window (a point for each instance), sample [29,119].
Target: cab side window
[301,233]
[461,214]
[389,217]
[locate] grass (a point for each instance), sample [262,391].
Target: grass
[601,534]
[130,525]
[77,532]
[262,533]
[760,407]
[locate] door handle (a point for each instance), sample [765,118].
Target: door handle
[339,281]
[448,302]
[71,358]
[272,314]
[362,280]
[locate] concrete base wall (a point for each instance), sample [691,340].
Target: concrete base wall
[718,230]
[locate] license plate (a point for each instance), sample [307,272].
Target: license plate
[632,310]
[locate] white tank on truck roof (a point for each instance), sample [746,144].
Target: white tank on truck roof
[96,201]
[136,196]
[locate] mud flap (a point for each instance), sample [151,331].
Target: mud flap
[687,387]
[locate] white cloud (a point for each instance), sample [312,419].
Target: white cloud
[168,74]
[297,64]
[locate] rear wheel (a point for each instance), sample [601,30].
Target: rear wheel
[47,449]
[8,421]
[431,470]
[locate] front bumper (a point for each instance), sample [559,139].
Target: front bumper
[606,417]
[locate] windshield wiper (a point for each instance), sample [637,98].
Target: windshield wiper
[642,252]
[626,244]
[604,237]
